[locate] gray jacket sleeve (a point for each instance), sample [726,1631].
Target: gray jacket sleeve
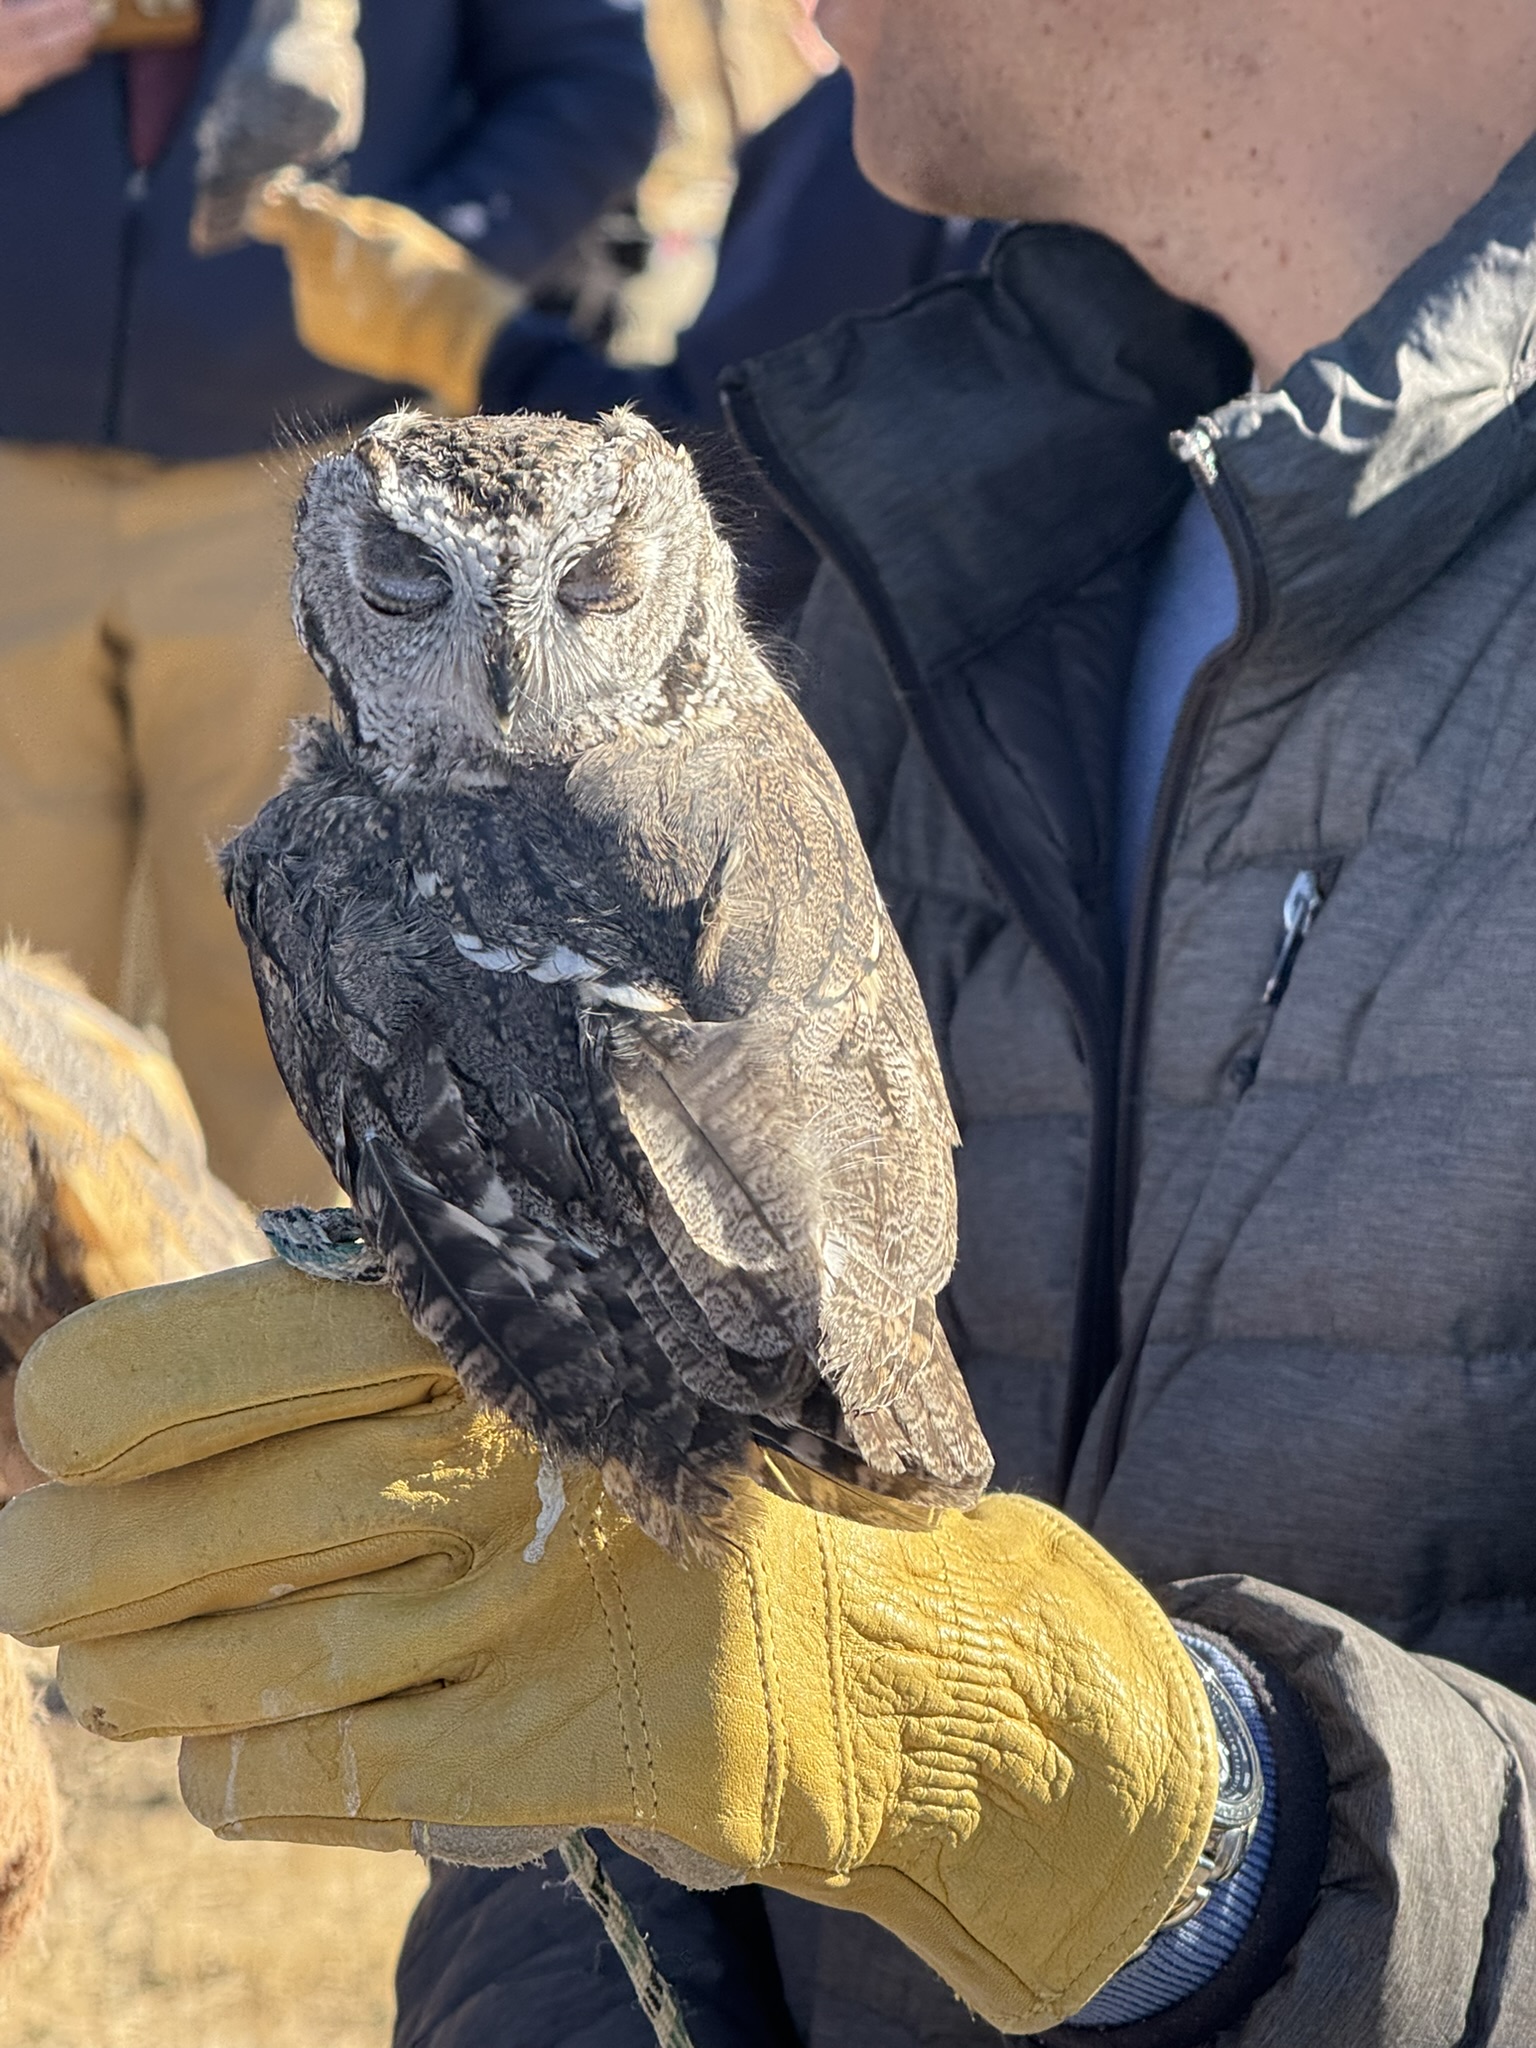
[1420,1934]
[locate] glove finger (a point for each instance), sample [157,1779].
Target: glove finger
[292,208]
[220,1673]
[274,214]
[144,1382]
[306,1510]
[451,1757]
[301,1781]
[365,1768]
[425,1623]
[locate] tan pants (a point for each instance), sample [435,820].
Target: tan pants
[148,675]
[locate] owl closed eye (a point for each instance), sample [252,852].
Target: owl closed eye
[397,574]
[607,578]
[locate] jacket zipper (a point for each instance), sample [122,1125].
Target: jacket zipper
[134,194]
[1196,448]
[1303,900]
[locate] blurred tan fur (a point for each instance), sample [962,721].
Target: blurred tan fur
[104,1185]
[27,1820]
[104,1180]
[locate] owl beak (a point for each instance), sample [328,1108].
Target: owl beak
[501,682]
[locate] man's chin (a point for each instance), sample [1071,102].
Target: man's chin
[906,165]
[917,141]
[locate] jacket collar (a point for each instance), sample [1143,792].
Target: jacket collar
[1382,455]
[994,441]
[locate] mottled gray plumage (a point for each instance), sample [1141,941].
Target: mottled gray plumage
[572,961]
[292,93]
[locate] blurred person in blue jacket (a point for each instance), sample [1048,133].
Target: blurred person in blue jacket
[148,671]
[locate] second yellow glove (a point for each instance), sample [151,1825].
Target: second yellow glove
[378,289]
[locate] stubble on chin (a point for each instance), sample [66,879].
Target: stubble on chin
[939,129]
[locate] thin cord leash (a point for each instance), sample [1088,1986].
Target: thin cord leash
[655,1995]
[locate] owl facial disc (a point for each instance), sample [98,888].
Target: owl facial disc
[521,592]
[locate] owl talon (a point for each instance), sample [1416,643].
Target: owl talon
[327,1244]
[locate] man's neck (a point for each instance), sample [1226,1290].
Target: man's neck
[1294,215]
[1290,272]
[1278,163]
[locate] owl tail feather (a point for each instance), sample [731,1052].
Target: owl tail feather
[822,1471]
[543,1327]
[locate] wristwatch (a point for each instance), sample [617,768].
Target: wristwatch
[1239,1797]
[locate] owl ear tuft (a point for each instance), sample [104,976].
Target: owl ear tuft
[624,424]
[632,436]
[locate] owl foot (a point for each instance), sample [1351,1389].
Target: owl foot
[327,1244]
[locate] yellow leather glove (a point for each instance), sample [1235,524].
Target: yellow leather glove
[283,1534]
[380,290]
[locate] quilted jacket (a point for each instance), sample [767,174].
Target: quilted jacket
[1247,1268]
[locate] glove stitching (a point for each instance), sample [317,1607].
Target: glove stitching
[842,1861]
[603,1606]
[1186,1682]
[637,1696]
[773,1775]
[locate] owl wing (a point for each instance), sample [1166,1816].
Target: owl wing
[806,1207]
[427,1082]
[801,1150]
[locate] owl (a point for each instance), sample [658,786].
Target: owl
[573,964]
[292,93]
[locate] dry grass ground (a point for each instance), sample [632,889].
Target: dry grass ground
[158,1936]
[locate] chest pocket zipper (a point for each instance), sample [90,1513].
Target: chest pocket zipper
[1303,900]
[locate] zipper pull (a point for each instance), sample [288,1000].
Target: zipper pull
[1196,448]
[1303,900]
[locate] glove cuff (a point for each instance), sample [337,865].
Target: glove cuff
[1032,1767]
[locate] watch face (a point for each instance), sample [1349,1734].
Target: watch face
[1240,1792]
